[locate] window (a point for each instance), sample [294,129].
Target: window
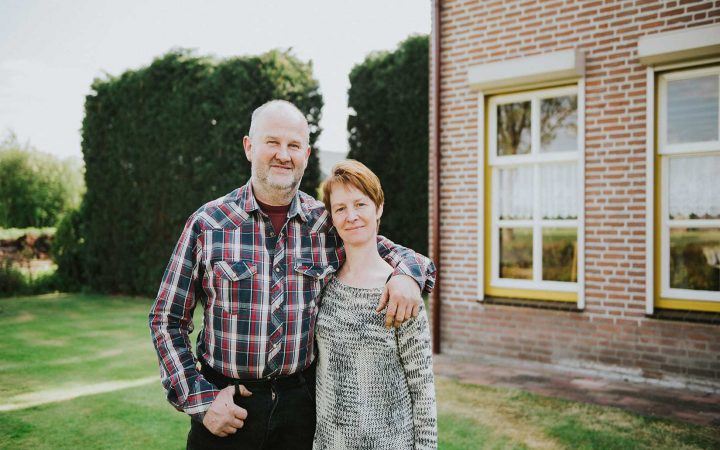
[533,195]
[687,164]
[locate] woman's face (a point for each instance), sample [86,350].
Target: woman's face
[354,215]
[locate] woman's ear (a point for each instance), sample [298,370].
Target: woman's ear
[380,210]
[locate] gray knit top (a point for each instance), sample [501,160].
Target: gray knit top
[375,386]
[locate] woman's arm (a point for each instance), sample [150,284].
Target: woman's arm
[416,356]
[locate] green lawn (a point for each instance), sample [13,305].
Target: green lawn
[65,341]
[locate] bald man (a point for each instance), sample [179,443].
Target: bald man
[257,260]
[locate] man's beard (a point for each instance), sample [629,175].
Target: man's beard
[285,185]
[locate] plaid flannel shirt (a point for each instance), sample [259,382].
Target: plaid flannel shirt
[259,292]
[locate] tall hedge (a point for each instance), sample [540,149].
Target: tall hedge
[389,133]
[161,141]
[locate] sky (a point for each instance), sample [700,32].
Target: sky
[52,50]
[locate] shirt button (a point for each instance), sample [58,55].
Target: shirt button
[277,270]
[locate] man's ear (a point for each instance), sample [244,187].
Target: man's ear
[247,145]
[307,153]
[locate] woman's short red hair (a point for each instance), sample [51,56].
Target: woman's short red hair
[356,174]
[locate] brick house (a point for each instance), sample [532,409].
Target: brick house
[578,185]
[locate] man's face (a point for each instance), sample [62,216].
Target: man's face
[278,149]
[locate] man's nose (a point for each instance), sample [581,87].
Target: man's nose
[283,154]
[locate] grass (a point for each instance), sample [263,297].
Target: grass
[68,340]
[497,418]
[62,341]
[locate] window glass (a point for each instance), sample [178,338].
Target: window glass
[694,191]
[559,191]
[516,249]
[535,194]
[513,129]
[688,216]
[692,110]
[515,193]
[695,258]
[558,124]
[559,254]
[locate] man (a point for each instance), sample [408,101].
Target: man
[257,260]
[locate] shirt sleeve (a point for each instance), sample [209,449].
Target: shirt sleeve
[416,358]
[407,262]
[171,323]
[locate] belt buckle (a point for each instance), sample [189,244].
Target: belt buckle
[273,377]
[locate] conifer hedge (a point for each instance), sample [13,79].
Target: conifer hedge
[161,141]
[389,133]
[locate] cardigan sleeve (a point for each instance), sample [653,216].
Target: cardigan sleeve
[416,357]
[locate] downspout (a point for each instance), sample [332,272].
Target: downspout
[436,175]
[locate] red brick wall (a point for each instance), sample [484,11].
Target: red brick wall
[612,333]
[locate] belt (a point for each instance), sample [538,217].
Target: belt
[282,381]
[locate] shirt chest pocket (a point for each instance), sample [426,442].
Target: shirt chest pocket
[311,279]
[235,282]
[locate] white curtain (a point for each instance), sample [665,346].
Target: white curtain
[515,189]
[694,187]
[558,191]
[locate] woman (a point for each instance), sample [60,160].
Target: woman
[375,386]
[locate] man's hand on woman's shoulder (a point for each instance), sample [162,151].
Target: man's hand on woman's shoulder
[403,300]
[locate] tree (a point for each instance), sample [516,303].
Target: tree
[389,133]
[35,187]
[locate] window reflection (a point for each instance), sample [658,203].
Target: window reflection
[513,129]
[559,254]
[558,124]
[695,258]
[516,248]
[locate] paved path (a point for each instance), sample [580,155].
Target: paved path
[57,395]
[643,398]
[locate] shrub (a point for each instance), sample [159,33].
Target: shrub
[35,188]
[12,281]
[68,250]
[389,133]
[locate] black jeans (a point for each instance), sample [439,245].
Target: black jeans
[281,414]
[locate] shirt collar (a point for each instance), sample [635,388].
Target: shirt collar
[246,200]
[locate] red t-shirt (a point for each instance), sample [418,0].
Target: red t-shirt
[278,214]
